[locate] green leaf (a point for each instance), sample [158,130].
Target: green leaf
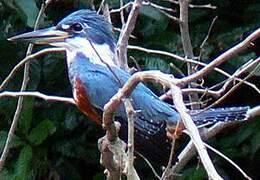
[71,121]
[152,63]
[255,141]
[26,115]
[6,175]
[257,71]
[151,21]
[194,173]
[67,170]
[24,163]
[15,143]
[41,132]
[35,75]
[30,9]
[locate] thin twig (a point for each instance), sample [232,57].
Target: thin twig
[101,6]
[23,87]
[168,170]
[245,68]
[122,16]
[162,9]
[230,91]
[156,6]
[121,8]
[38,95]
[150,165]
[207,36]
[229,160]
[223,57]
[159,52]
[27,59]
[207,6]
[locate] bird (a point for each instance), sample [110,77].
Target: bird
[95,77]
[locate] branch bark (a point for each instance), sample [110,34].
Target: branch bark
[38,95]
[125,34]
[152,51]
[187,47]
[168,81]
[223,57]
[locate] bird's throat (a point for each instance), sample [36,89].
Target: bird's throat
[98,54]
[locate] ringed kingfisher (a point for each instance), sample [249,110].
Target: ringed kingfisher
[91,56]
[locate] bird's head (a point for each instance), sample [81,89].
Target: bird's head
[79,31]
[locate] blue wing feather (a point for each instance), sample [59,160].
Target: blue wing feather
[102,85]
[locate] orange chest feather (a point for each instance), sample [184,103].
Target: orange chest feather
[82,100]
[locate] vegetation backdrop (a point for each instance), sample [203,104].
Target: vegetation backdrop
[56,141]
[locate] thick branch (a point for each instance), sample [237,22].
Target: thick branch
[222,58]
[216,94]
[184,27]
[186,43]
[131,175]
[194,133]
[125,34]
[190,150]
[187,60]
[168,81]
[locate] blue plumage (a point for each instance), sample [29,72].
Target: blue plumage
[102,85]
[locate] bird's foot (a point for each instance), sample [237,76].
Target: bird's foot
[176,131]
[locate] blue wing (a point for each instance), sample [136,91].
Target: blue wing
[101,85]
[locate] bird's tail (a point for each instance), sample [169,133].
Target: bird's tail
[219,115]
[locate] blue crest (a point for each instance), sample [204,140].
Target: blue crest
[100,30]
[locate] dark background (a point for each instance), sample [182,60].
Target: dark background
[55,141]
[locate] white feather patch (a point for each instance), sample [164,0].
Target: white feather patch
[95,52]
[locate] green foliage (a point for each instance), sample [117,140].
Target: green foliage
[29,8]
[41,132]
[56,140]
[194,173]
[23,169]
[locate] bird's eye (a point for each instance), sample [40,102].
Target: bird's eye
[77,27]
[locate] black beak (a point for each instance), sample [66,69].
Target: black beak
[43,36]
